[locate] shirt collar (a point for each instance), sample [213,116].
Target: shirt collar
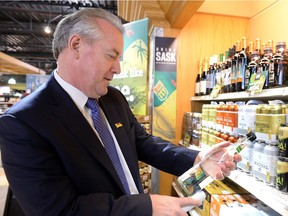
[76,95]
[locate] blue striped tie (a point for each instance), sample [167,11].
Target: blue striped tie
[109,145]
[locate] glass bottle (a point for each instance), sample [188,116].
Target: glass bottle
[195,179]
[242,62]
[219,73]
[203,78]
[248,72]
[198,79]
[266,65]
[209,77]
[280,66]
[258,45]
[253,68]
[235,67]
[227,72]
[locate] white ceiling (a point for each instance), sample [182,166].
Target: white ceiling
[243,8]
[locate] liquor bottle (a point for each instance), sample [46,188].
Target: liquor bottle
[219,73]
[248,72]
[242,62]
[270,43]
[227,78]
[250,50]
[195,179]
[280,66]
[198,79]
[203,78]
[253,69]
[266,65]
[258,45]
[235,66]
[209,77]
[215,70]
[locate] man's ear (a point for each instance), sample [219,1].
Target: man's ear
[74,45]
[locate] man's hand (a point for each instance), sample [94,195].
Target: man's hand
[215,165]
[171,206]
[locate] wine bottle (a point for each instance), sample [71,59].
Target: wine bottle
[227,77]
[253,68]
[280,66]
[203,78]
[219,73]
[266,65]
[198,79]
[248,71]
[235,67]
[258,46]
[242,62]
[209,77]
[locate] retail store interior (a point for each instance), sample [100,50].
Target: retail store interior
[202,30]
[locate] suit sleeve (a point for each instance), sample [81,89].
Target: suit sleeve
[153,150]
[41,184]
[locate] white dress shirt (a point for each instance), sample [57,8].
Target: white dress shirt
[80,100]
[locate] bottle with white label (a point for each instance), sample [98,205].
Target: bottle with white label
[258,158]
[246,163]
[195,179]
[270,160]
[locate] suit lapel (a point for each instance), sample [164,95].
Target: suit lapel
[64,107]
[117,126]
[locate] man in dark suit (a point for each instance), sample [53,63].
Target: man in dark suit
[53,158]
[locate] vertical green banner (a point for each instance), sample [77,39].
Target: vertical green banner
[133,81]
[164,89]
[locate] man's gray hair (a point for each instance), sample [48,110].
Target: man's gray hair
[81,22]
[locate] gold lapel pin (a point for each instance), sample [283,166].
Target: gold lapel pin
[118,125]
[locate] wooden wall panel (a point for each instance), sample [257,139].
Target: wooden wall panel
[203,36]
[271,24]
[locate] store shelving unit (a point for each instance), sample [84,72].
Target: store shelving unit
[267,194]
[6,101]
[264,95]
[145,169]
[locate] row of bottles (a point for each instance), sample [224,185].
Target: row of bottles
[244,68]
[267,161]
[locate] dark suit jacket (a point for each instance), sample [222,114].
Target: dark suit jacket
[56,165]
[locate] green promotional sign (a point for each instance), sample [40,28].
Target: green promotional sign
[133,81]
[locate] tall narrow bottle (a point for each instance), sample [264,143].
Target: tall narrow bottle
[235,67]
[248,71]
[203,78]
[266,65]
[280,66]
[219,73]
[209,77]
[258,46]
[253,68]
[195,179]
[198,79]
[242,62]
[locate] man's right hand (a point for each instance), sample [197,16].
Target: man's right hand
[171,206]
